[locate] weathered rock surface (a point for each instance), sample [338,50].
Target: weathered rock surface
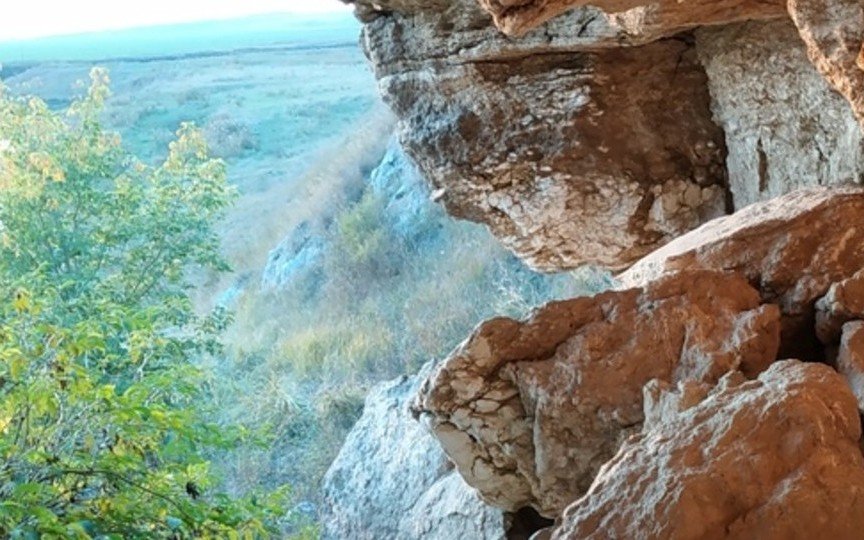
[651,19]
[785,128]
[529,411]
[834,33]
[300,253]
[843,303]
[405,209]
[773,459]
[850,360]
[570,150]
[792,248]
[391,480]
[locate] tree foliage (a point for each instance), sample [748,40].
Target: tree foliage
[103,428]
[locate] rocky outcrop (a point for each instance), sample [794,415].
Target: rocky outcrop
[529,411]
[626,130]
[571,149]
[775,458]
[590,137]
[834,33]
[785,128]
[407,213]
[299,254]
[391,480]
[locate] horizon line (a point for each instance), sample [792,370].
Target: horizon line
[122,28]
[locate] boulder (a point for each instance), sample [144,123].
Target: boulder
[792,248]
[770,459]
[529,411]
[391,480]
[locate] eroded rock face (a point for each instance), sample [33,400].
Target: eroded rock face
[529,411]
[834,33]
[571,149]
[391,480]
[651,19]
[792,248]
[773,459]
[785,127]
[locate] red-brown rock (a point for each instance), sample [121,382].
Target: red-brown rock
[772,459]
[529,411]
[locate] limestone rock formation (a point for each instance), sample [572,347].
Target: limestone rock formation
[589,138]
[406,211]
[391,480]
[834,33]
[773,459]
[300,253]
[603,134]
[529,411]
[785,128]
[572,149]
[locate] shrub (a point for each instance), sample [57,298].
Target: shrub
[103,424]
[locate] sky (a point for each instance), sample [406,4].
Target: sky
[27,19]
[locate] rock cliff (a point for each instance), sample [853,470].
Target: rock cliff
[709,151]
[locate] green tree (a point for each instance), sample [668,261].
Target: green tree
[103,417]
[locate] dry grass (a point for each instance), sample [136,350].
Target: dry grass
[260,220]
[301,359]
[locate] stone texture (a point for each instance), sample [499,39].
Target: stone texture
[785,128]
[300,253]
[771,459]
[652,19]
[834,33]
[843,302]
[792,248]
[571,151]
[529,411]
[850,360]
[391,480]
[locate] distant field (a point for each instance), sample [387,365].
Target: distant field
[273,30]
[268,90]
[273,94]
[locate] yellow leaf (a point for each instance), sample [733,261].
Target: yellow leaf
[22,301]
